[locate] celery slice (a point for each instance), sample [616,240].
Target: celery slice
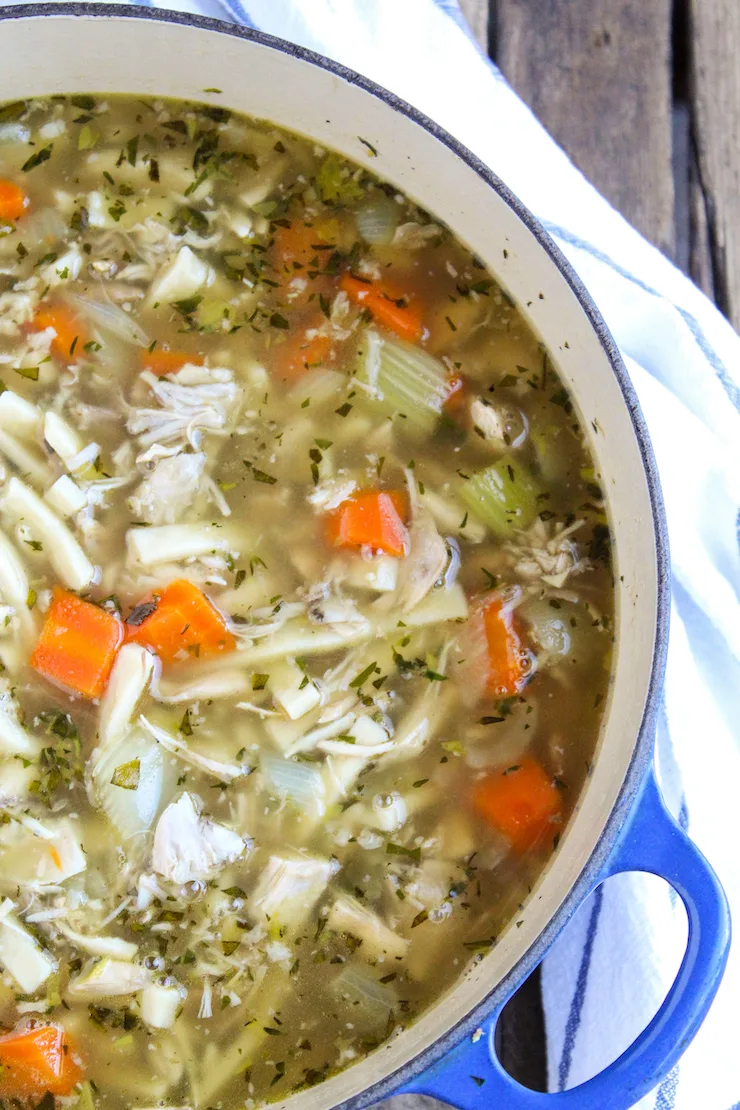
[406,382]
[503,496]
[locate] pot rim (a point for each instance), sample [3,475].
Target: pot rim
[642,752]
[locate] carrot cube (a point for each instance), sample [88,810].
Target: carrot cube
[78,645]
[182,624]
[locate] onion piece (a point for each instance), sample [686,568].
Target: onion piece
[132,811]
[377,219]
[112,319]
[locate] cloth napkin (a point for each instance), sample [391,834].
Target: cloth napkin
[608,972]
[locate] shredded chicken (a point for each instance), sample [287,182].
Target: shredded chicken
[547,552]
[191,402]
[188,846]
[164,496]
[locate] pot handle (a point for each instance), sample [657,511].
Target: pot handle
[470,1076]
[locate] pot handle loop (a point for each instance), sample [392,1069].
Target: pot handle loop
[471,1077]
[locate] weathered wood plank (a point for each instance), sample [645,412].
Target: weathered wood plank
[715,39]
[476,13]
[597,74]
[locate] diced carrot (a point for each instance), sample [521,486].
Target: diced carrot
[388,308]
[36,1060]
[522,803]
[167,362]
[371,519]
[300,246]
[508,662]
[184,624]
[78,645]
[299,352]
[71,336]
[13,201]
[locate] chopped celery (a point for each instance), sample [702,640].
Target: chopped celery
[503,496]
[405,382]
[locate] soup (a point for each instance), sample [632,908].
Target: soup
[306,607]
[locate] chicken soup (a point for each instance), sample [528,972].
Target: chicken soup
[306,607]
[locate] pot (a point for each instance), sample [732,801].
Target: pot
[620,823]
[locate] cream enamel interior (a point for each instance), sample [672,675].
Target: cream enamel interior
[72,54]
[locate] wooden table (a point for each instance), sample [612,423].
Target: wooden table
[644,95]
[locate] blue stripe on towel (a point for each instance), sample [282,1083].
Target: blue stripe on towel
[240,13]
[668,1090]
[576,1007]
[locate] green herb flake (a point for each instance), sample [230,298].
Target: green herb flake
[29,372]
[344,410]
[260,476]
[399,850]
[37,159]
[259,681]
[188,305]
[126,775]
[186,727]
[87,138]
[363,676]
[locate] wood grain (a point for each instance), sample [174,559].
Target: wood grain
[715,87]
[597,74]
[476,13]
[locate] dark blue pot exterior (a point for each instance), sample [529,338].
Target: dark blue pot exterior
[461,1068]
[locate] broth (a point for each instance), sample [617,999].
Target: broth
[307,607]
